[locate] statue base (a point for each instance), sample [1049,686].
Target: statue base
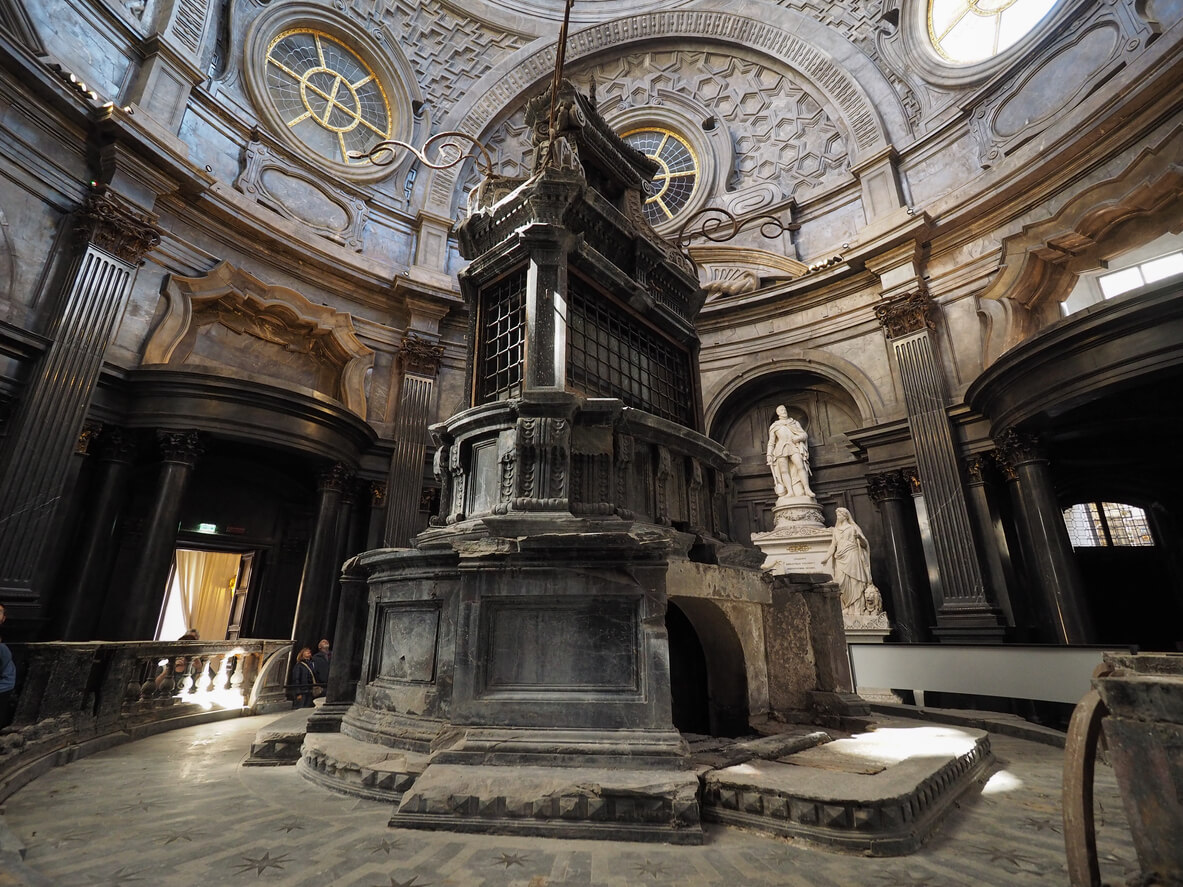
[799,539]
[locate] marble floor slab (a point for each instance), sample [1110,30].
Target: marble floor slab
[179,810]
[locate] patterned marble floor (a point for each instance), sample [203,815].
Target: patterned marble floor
[177,810]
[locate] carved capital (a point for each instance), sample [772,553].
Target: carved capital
[337,479]
[1017,447]
[911,477]
[377,493]
[180,446]
[117,445]
[420,356]
[889,485]
[90,431]
[906,314]
[109,225]
[977,467]
[429,500]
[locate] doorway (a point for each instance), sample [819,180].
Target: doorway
[206,593]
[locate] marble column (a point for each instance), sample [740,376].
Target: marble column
[86,583]
[991,539]
[321,564]
[376,529]
[349,641]
[179,452]
[420,363]
[964,610]
[1050,561]
[889,492]
[38,447]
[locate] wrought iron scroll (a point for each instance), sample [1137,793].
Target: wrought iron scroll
[718,226]
[383,153]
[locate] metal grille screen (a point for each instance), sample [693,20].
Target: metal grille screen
[611,355]
[502,335]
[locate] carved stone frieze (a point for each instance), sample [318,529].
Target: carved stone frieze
[180,446]
[888,485]
[110,225]
[336,213]
[906,314]
[420,355]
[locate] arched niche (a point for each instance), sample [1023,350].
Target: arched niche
[726,692]
[825,409]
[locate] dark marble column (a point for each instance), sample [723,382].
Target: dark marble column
[376,529]
[908,596]
[349,641]
[964,610]
[991,540]
[37,450]
[179,452]
[86,582]
[321,564]
[1049,558]
[420,362]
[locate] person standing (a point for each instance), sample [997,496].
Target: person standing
[320,665]
[302,679]
[7,681]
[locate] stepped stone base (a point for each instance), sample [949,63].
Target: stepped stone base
[278,744]
[570,802]
[360,768]
[880,793]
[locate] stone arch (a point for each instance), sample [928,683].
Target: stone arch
[864,104]
[1040,263]
[727,680]
[846,375]
[228,320]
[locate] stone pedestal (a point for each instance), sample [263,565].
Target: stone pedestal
[798,541]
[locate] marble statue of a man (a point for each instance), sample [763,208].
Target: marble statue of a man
[788,455]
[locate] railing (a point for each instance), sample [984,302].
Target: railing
[76,698]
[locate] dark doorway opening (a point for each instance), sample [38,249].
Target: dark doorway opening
[688,674]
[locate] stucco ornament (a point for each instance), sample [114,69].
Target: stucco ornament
[788,456]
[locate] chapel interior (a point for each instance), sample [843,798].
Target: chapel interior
[455,333]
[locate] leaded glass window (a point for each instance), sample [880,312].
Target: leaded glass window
[1095,524]
[326,95]
[966,31]
[677,176]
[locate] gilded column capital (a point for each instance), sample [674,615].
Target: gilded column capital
[105,222]
[179,446]
[889,485]
[86,436]
[904,315]
[977,466]
[377,493]
[117,445]
[420,355]
[911,477]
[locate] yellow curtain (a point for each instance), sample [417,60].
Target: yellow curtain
[207,585]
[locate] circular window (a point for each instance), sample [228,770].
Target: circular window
[677,174]
[326,96]
[966,31]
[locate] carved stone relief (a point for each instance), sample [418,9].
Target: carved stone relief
[786,145]
[286,188]
[1056,80]
[230,320]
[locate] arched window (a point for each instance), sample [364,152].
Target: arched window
[967,31]
[1096,524]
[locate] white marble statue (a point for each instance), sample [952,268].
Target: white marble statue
[850,556]
[788,456]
